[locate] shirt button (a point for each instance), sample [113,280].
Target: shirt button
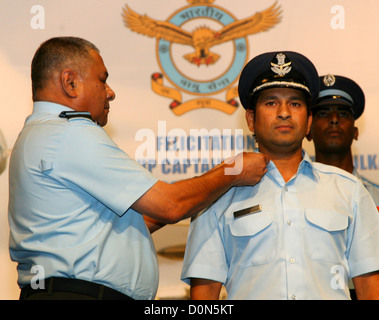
[285,188]
[293,297]
[289,222]
[292,260]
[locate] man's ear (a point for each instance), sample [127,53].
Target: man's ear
[69,82]
[356,133]
[250,119]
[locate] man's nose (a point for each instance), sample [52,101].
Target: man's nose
[283,112]
[110,94]
[334,119]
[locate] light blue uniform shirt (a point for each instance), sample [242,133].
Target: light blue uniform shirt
[70,194]
[311,234]
[372,188]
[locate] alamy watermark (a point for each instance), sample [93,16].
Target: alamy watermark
[200,146]
[38,280]
[37,22]
[338,279]
[338,19]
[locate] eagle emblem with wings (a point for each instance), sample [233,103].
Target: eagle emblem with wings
[202,26]
[202,38]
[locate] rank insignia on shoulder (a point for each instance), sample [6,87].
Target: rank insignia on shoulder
[75,114]
[254,209]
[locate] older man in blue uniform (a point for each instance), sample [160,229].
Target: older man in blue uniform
[79,207]
[305,228]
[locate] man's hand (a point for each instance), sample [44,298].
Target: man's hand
[248,167]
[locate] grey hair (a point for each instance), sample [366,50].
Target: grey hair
[56,54]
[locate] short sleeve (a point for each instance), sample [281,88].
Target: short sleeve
[363,256]
[90,161]
[205,255]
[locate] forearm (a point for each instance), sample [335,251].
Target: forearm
[182,199]
[193,195]
[170,203]
[367,286]
[203,289]
[187,197]
[152,224]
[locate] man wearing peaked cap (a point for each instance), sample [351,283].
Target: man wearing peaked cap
[277,69]
[340,102]
[341,91]
[281,238]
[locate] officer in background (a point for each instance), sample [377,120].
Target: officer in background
[341,101]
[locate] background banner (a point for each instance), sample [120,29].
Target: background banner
[174,66]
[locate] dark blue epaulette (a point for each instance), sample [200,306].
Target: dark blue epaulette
[75,114]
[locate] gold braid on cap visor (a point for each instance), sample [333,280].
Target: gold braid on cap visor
[294,85]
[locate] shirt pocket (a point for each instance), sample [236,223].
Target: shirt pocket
[253,240]
[326,235]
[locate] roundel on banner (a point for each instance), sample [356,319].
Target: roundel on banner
[201,50]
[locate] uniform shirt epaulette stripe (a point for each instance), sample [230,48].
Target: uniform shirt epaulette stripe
[75,114]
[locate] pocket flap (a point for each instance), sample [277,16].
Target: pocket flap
[328,220]
[251,224]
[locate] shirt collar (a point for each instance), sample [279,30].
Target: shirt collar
[306,167]
[49,107]
[355,173]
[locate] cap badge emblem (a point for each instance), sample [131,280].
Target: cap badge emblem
[281,68]
[329,80]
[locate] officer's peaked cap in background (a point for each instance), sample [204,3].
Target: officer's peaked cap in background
[282,69]
[339,90]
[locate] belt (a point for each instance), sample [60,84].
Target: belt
[79,286]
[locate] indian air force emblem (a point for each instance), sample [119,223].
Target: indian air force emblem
[201,50]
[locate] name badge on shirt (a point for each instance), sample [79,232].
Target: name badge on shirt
[254,209]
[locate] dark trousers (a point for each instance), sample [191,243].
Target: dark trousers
[71,289]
